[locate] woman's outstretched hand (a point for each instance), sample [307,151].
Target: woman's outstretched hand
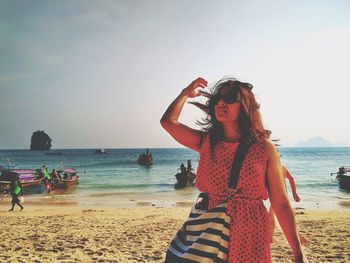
[296,197]
[191,90]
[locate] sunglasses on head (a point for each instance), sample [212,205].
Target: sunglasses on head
[246,85]
[228,98]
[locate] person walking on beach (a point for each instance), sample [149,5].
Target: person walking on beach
[16,191]
[296,198]
[233,116]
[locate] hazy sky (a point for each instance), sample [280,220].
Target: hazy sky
[101,73]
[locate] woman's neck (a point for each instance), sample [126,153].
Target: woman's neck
[231,132]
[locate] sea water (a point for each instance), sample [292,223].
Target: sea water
[116,177]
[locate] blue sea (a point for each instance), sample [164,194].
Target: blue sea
[116,179]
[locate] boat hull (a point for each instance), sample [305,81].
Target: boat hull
[146,163]
[145,159]
[184,180]
[5,185]
[63,184]
[344,182]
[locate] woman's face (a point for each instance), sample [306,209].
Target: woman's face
[227,106]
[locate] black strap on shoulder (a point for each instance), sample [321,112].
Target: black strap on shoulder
[241,152]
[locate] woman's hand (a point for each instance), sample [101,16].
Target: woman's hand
[185,135]
[296,197]
[301,259]
[191,91]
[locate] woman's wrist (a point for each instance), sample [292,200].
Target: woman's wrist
[183,96]
[184,93]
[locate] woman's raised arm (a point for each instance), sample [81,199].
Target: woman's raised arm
[185,135]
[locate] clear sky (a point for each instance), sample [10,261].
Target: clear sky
[101,73]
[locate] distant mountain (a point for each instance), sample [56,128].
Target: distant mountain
[319,142]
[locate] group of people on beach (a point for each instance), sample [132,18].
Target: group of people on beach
[233,118]
[16,188]
[49,178]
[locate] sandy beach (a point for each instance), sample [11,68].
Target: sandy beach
[72,233]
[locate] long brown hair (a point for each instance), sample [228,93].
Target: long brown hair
[250,123]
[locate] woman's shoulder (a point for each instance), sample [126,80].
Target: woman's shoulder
[268,143]
[270,148]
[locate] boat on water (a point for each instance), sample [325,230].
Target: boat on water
[185,176]
[343,177]
[67,179]
[100,151]
[145,158]
[28,178]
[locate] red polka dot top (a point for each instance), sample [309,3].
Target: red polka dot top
[249,219]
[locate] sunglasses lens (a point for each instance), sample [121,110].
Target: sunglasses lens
[228,98]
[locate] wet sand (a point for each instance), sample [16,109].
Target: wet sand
[72,233]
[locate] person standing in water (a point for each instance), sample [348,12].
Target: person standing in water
[47,178]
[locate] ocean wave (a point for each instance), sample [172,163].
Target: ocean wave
[316,183]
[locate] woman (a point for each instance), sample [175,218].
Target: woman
[232,116]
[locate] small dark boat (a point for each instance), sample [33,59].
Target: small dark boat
[185,176]
[28,178]
[145,158]
[100,151]
[67,178]
[343,177]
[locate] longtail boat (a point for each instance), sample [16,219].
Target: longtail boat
[100,151]
[145,158]
[67,178]
[185,176]
[343,176]
[28,178]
